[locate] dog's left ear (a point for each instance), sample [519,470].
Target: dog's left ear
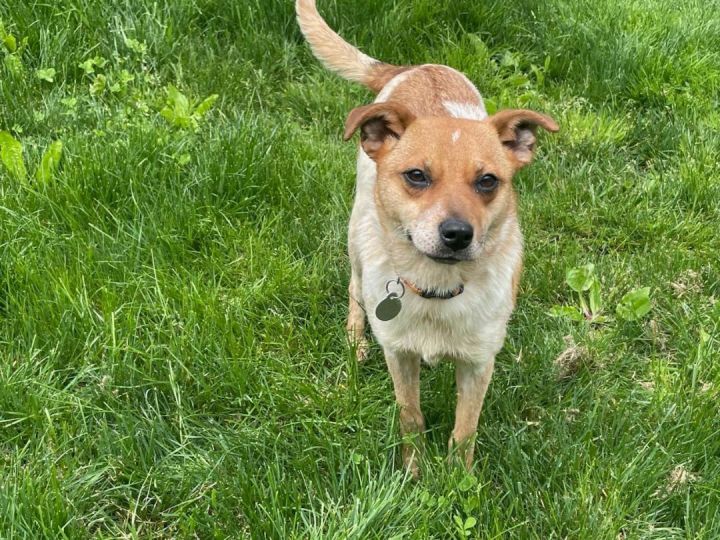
[378,122]
[516,128]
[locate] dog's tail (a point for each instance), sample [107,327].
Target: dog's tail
[337,54]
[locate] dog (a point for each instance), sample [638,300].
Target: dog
[434,241]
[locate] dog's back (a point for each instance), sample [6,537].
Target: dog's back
[427,90]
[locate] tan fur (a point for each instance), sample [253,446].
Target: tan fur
[337,54]
[428,87]
[432,119]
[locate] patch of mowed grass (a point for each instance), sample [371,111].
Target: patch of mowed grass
[172,356]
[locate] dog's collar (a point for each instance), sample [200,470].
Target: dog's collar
[432,293]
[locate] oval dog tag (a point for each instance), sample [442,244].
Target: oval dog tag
[388,308]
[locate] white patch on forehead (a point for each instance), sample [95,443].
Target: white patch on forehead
[391,85]
[469,111]
[456,136]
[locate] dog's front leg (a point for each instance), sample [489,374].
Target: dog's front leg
[405,372]
[356,318]
[472,381]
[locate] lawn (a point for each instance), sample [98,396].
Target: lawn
[173,279]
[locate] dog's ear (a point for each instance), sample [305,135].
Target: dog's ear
[516,128]
[377,122]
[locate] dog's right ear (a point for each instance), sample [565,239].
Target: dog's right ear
[377,123]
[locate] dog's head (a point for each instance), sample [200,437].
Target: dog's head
[445,183]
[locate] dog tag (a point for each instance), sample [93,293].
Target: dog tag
[388,308]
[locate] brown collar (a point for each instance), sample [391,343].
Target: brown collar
[432,293]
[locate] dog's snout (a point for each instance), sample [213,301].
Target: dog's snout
[456,234]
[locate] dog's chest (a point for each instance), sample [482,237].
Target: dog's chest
[470,326]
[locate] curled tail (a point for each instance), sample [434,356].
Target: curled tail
[337,54]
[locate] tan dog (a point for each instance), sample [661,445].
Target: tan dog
[434,230]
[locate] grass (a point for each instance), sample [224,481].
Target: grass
[172,300]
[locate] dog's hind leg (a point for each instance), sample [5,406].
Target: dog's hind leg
[356,319]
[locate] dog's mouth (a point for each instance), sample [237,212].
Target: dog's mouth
[445,260]
[441,259]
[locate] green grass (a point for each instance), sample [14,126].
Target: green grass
[172,355]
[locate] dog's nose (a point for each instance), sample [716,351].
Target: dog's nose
[456,234]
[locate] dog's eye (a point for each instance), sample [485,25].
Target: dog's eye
[416,178]
[487,183]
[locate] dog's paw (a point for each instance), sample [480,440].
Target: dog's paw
[461,453]
[362,350]
[411,461]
